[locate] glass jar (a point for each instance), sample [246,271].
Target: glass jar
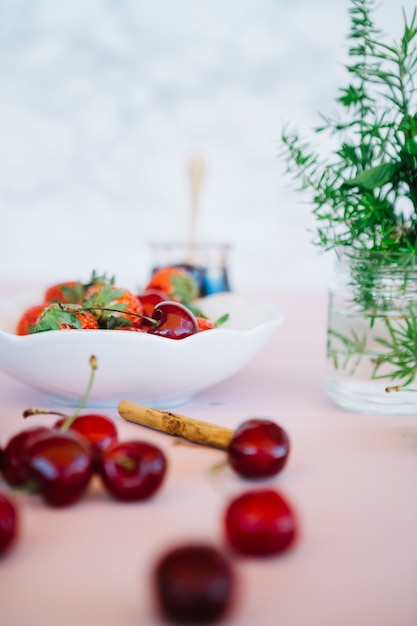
[372,333]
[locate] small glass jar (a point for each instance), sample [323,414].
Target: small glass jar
[207,262]
[372,333]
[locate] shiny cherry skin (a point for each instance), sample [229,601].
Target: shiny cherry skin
[149,299]
[14,470]
[132,470]
[194,584]
[259,448]
[260,523]
[174,321]
[61,464]
[9,524]
[98,429]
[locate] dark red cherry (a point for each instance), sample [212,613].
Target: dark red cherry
[175,321]
[61,464]
[149,299]
[259,448]
[9,524]
[14,470]
[100,431]
[132,470]
[260,523]
[194,584]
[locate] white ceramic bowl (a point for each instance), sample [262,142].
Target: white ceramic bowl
[146,369]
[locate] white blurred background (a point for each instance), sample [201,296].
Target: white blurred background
[104,101]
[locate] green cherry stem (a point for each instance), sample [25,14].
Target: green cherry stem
[93,364]
[150,320]
[70,418]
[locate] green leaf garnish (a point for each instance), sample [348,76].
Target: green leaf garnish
[221,320]
[185,288]
[113,322]
[54,316]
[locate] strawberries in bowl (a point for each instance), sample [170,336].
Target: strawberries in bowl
[177,349]
[102,304]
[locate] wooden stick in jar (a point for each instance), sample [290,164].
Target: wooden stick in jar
[177,425]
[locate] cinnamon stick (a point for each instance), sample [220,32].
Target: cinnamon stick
[177,425]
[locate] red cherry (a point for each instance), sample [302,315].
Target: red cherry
[194,584]
[132,470]
[61,465]
[100,431]
[150,298]
[259,448]
[175,321]
[14,470]
[260,523]
[8,524]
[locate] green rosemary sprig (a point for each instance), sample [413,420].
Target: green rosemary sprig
[364,194]
[398,360]
[353,348]
[356,192]
[400,352]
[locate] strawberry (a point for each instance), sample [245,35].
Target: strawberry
[113,307]
[204,324]
[28,320]
[60,316]
[73,292]
[176,282]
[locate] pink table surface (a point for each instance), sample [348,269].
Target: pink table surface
[350,477]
